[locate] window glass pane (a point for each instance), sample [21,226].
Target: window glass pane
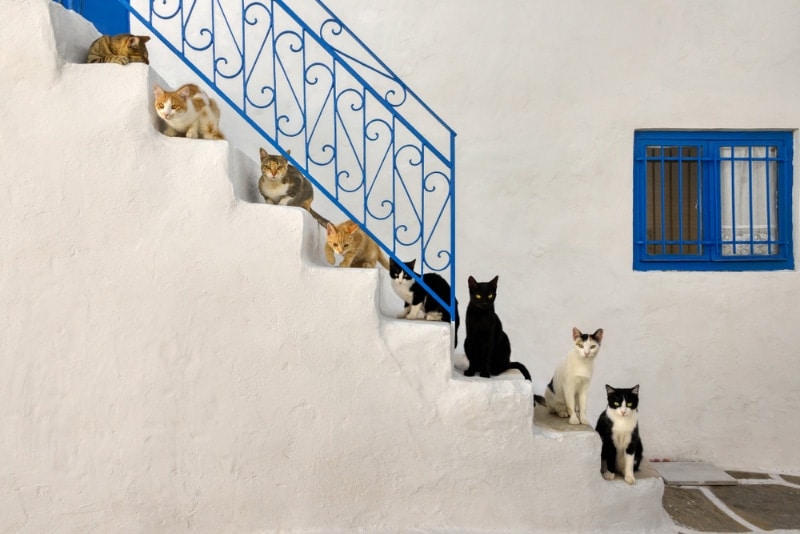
[673,190]
[748,200]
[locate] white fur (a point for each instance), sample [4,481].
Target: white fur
[624,422]
[402,286]
[571,382]
[274,191]
[190,121]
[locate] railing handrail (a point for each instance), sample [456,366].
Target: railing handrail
[341,60]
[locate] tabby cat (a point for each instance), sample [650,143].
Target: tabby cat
[357,249]
[187,112]
[281,183]
[568,390]
[487,346]
[416,298]
[123,49]
[618,427]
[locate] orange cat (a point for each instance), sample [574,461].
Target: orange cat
[188,112]
[357,249]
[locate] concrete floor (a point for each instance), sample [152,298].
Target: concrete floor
[759,502]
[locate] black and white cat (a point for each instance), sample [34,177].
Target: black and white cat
[416,299]
[618,427]
[487,346]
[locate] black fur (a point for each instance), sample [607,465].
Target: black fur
[434,281]
[487,346]
[605,427]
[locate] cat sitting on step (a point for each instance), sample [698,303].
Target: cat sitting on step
[187,112]
[354,245]
[416,298]
[281,183]
[567,393]
[487,346]
[122,49]
[618,427]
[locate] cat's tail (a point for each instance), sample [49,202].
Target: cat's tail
[537,399]
[383,260]
[319,218]
[521,368]
[458,322]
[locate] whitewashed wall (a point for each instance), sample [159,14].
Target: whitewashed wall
[545,97]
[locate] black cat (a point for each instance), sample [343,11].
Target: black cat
[416,298]
[487,347]
[618,427]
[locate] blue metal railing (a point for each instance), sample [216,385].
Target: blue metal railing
[302,80]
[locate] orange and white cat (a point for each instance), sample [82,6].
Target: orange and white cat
[188,112]
[355,246]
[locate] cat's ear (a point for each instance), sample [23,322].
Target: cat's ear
[350,227]
[263,153]
[158,91]
[331,229]
[576,333]
[185,91]
[143,38]
[610,390]
[289,152]
[635,389]
[132,41]
[411,264]
[598,335]
[472,283]
[493,283]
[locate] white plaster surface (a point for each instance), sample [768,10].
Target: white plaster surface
[545,98]
[175,359]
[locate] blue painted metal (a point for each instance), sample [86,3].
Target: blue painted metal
[109,18]
[309,85]
[716,150]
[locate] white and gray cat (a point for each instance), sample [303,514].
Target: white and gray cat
[567,393]
[618,427]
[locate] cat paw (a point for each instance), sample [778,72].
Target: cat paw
[574,420]
[562,414]
[433,316]
[585,420]
[629,479]
[608,475]
[485,375]
[402,315]
[469,372]
[191,134]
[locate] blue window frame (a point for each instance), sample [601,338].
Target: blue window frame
[712,200]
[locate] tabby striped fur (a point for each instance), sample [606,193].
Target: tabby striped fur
[123,49]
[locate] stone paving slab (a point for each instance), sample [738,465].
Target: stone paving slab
[688,507]
[767,506]
[692,474]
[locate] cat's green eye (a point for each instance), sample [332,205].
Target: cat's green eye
[616,404]
[477,297]
[491,296]
[630,405]
[580,345]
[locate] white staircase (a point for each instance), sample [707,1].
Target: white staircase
[175,359]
